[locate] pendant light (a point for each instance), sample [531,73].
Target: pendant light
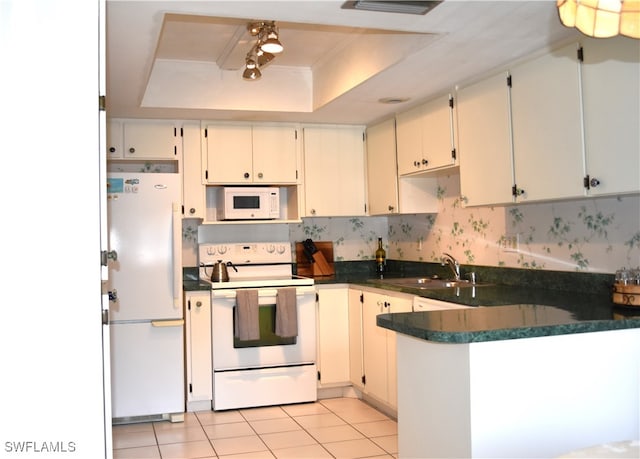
[601,18]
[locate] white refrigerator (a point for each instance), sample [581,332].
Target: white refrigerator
[145,285]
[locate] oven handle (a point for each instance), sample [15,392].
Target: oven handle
[262,292]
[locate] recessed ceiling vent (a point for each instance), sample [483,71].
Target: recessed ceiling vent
[391,6]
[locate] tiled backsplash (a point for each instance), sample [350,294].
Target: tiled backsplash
[596,235]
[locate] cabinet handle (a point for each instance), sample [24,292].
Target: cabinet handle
[246,175]
[132,150]
[260,175]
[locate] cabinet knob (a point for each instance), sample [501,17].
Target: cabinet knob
[112,149]
[313,211]
[198,304]
[132,150]
[594,182]
[192,211]
[391,208]
[416,163]
[246,175]
[425,162]
[260,175]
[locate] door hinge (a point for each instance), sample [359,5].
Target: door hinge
[453,154]
[206,132]
[364,380]
[580,53]
[175,150]
[190,388]
[514,191]
[206,175]
[102,103]
[181,132]
[182,209]
[318,376]
[188,305]
[509,80]
[317,297]
[362,298]
[105,317]
[451,101]
[295,134]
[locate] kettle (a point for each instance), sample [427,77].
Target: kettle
[220,273]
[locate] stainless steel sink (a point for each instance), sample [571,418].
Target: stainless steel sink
[429,282]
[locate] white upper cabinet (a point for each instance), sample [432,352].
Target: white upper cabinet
[547,129]
[381,168]
[275,153]
[334,172]
[388,193]
[193,191]
[484,142]
[611,85]
[246,154]
[426,137]
[143,139]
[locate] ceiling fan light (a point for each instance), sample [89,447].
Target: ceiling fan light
[251,74]
[264,58]
[272,45]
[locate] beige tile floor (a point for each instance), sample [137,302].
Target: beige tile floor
[329,428]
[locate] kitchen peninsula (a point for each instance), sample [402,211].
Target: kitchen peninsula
[518,380]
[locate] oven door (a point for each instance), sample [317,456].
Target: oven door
[269,351]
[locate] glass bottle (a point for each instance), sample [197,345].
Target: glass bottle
[381,256]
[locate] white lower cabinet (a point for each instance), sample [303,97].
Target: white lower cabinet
[379,344]
[333,334]
[199,371]
[356,364]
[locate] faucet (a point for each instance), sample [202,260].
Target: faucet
[453,264]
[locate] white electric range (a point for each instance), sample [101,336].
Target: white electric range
[270,370]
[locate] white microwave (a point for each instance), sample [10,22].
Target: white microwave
[248,203]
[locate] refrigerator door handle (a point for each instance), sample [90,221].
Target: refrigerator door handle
[177,255]
[167,323]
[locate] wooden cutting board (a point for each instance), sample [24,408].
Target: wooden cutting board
[323,266]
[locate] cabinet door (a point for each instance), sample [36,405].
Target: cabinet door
[409,127]
[229,154]
[547,133]
[114,139]
[375,346]
[334,171]
[193,190]
[611,86]
[333,334]
[437,137]
[484,142]
[150,140]
[198,346]
[382,169]
[396,304]
[275,153]
[356,365]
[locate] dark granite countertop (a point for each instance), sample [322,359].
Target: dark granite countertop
[527,304]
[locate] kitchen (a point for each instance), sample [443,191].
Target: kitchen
[605,247]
